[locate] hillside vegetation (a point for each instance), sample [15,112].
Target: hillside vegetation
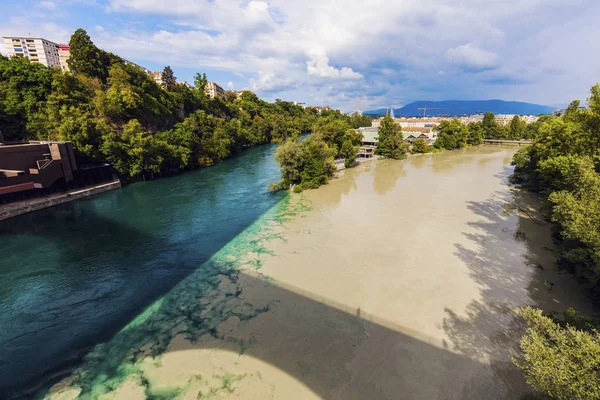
[112,111]
[561,356]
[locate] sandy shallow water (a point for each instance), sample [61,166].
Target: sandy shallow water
[398,280]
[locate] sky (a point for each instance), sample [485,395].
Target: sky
[349,54]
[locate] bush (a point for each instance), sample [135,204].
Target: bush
[561,362]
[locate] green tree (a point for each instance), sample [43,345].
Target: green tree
[168,78]
[317,163]
[475,133]
[86,58]
[349,152]
[391,142]
[561,362]
[517,128]
[489,125]
[451,135]
[420,146]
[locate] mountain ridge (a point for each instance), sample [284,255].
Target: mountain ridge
[467,107]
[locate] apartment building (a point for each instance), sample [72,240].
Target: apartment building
[37,50]
[64,52]
[213,90]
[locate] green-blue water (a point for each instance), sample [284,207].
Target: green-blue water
[74,275]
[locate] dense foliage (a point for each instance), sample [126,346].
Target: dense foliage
[517,129]
[455,135]
[391,141]
[562,165]
[560,360]
[421,146]
[114,111]
[310,164]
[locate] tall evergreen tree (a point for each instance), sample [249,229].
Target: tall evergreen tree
[489,126]
[86,58]
[168,78]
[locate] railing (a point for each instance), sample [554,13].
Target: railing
[517,142]
[41,164]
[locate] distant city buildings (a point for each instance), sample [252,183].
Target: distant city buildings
[37,50]
[431,122]
[213,90]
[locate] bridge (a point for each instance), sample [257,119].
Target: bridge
[501,142]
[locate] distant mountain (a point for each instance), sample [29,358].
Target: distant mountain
[467,107]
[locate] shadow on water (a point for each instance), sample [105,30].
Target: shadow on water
[74,275]
[311,341]
[336,352]
[511,257]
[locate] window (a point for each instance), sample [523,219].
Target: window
[29,40]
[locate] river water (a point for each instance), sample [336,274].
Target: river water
[398,280]
[72,276]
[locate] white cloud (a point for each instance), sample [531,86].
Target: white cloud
[472,57]
[354,53]
[318,65]
[50,5]
[230,85]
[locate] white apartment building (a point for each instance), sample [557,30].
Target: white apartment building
[37,50]
[213,90]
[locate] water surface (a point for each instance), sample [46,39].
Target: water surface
[73,275]
[397,280]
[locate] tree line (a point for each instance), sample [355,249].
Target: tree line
[561,353]
[113,111]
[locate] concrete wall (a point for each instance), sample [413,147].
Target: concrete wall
[24,207]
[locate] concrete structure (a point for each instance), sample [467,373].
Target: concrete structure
[35,165]
[503,142]
[35,175]
[213,90]
[370,136]
[26,206]
[37,50]
[64,52]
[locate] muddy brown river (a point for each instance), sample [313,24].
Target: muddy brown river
[398,280]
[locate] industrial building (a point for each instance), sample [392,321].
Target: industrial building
[36,168]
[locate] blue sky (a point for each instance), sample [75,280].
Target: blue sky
[350,54]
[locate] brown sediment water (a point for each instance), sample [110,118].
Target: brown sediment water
[397,280]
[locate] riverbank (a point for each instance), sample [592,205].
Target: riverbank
[17,208]
[397,277]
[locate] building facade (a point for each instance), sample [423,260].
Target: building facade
[213,90]
[64,52]
[37,50]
